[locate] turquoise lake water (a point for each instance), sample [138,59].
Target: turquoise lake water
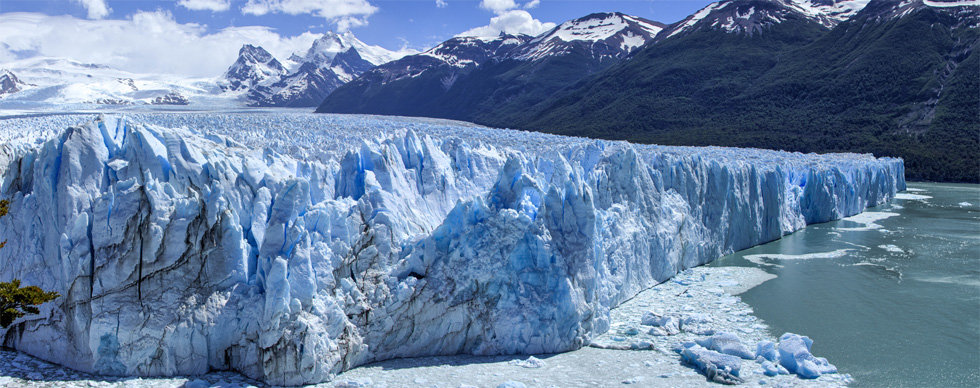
[893,297]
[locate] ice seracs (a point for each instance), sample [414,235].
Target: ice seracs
[181,250]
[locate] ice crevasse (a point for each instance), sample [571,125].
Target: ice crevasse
[177,251]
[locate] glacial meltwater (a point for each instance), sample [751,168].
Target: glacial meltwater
[891,296]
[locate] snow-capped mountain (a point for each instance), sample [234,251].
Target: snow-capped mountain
[9,83]
[754,16]
[333,60]
[461,52]
[467,77]
[964,9]
[895,78]
[254,67]
[603,34]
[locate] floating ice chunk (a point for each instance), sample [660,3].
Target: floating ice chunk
[891,248]
[512,384]
[760,259]
[914,197]
[726,343]
[869,219]
[633,380]
[662,324]
[795,356]
[698,323]
[642,345]
[766,350]
[531,362]
[359,383]
[772,369]
[720,368]
[965,204]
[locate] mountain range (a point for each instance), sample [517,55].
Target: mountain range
[256,78]
[334,59]
[474,78]
[887,77]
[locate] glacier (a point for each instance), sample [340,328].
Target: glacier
[291,247]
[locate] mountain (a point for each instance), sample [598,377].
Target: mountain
[333,59]
[9,83]
[755,16]
[54,82]
[894,78]
[183,244]
[254,67]
[472,78]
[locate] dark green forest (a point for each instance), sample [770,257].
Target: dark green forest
[907,87]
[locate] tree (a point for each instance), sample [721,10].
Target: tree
[17,301]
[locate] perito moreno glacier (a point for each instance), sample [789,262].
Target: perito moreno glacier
[291,247]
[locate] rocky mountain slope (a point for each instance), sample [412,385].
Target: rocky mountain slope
[468,78]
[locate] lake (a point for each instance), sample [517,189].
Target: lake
[891,296]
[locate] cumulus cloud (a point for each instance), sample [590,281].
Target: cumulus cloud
[532,4]
[498,6]
[97,9]
[344,13]
[510,22]
[205,5]
[441,3]
[146,42]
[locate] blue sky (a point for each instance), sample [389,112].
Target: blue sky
[114,27]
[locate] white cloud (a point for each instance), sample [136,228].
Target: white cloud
[147,42]
[531,4]
[498,6]
[344,13]
[511,22]
[205,5]
[441,3]
[97,9]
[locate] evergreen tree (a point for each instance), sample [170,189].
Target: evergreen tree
[17,301]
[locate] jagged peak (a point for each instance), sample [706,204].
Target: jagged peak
[327,47]
[462,51]
[254,54]
[620,33]
[600,26]
[878,9]
[753,16]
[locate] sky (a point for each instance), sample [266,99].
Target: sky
[201,38]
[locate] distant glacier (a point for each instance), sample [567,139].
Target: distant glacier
[291,247]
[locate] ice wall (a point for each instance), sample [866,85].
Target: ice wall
[179,251]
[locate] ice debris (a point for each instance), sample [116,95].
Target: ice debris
[795,356]
[726,343]
[718,367]
[531,362]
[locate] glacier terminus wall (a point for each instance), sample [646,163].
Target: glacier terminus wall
[292,247]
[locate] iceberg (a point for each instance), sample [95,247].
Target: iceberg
[292,247]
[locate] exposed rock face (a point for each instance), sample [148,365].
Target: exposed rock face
[172,98]
[9,83]
[178,253]
[253,67]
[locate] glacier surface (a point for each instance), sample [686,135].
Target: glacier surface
[291,247]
